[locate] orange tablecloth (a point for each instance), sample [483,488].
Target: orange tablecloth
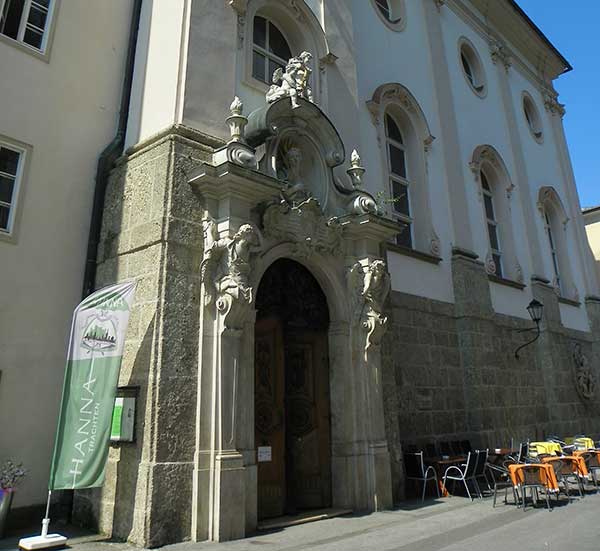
[547,475]
[576,462]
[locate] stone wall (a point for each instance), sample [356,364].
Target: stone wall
[450,371]
[152,232]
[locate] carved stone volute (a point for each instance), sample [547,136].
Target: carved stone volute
[369,288]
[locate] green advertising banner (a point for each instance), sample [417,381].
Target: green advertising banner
[91,377]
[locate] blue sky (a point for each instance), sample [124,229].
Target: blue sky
[573,27]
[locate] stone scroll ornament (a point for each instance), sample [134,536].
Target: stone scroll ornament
[294,82]
[370,286]
[225,268]
[585,379]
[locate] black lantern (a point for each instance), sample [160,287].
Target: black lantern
[536,311]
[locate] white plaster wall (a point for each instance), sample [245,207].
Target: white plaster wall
[67,110]
[374,42]
[158,71]
[509,301]
[593,233]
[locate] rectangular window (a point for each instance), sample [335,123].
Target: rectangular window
[11,169]
[26,21]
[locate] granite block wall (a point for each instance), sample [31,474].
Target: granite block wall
[450,372]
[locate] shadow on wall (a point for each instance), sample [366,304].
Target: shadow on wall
[130,457]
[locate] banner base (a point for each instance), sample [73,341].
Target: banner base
[42,542]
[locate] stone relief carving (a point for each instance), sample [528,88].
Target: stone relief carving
[225,267]
[500,53]
[552,104]
[435,245]
[490,264]
[369,288]
[585,377]
[305,226]
[293,82]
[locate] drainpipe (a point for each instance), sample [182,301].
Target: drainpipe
[108,157]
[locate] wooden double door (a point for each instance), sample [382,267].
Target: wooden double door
[292,419]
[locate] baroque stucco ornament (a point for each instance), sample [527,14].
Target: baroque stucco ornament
[305,226]
[369,287]
[225,267]
[293,82]
[585,378]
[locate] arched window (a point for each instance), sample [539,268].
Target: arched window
[270,51]
[495,191]
[553,250]
[555,222]
[492,224]
[399,182]
[404,140]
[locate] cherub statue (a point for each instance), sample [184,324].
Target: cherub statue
[294,81]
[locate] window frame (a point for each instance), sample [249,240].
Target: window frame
[554,253]
[533,120]
[396,7]
[43,52]
[403,219]
[268,55]
[477,80]
[495,252]
[24,151]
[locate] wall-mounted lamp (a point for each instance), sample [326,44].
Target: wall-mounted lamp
[536,312]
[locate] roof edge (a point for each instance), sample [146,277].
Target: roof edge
[542,36]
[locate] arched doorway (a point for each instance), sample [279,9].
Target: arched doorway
[292,410]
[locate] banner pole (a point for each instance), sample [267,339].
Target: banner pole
[46,519]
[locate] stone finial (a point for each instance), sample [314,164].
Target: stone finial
[236,121]
[356,172]
[236,107]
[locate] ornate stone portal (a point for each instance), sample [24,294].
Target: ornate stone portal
[289,206]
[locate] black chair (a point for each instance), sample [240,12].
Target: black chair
[410,448]
[431,450]
[415,470]
[445,448]
[456,448]
[480,468]
[464,473]
[465,446]
[502,481]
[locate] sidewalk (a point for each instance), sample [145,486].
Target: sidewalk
[450,524]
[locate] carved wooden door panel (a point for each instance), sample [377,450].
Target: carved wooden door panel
[269,416]
[308,436]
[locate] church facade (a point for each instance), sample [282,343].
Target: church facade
[337,214]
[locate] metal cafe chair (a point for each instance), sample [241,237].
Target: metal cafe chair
[465,446]
[464,474]
[567,474]
[415,470]
[522,454]
[532,481]
[502,481]
[593,467]
[480,468]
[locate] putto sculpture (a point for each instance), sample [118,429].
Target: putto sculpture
[295,81]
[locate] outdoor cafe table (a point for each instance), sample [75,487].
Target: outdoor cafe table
[547,474]
[576,461]
[581,441]
[545,448]
[498,455]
